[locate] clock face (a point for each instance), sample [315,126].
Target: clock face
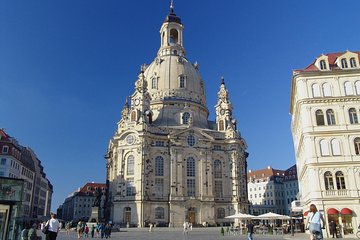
[137,101]
[222,111]
[130,139]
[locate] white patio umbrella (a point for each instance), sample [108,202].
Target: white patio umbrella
[271,216]
[241,216]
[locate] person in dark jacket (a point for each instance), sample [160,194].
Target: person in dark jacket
[333,229]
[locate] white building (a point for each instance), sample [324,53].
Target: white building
[325,99]
[167,163]
[272,190]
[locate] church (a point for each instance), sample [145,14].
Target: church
[167,163]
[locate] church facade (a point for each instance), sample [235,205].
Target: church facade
[167,163]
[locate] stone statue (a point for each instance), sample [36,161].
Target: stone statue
[98,195]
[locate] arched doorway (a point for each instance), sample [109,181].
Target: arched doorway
[127,215]
[191,215]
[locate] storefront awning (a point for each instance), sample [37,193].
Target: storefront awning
[346,211]
[332,211]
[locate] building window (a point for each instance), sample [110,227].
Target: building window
[3,161]
[324,148]
[357,146]
[5,149]
[335,147]
[159,166]
[130,187]
[316,90]
[191,140]
[344,63]
[322,65]
[340,180]
[220,213]
[357,87]
[133,116]
[185,118]
[218,189]
[159,143]
[130,165]
[221,125]
[182,81]
[330,117]
[190,185]
[353,116]
[190,167]
[159,187]
[327,90]
[348,88]
[320,118]
[352,62]
[159,213]
[217,169]
[154,83]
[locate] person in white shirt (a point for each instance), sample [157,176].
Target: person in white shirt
[313,220]
[54,227]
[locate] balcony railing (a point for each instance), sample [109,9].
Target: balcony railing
[340,192]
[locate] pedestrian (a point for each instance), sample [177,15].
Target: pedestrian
[102,230]
[24,232]
[92,230]
[80,229]
[67,228]
[54,227]
[333,229]
[86,231]
[185,226]
[250,230]
[313,223]
[150,227]
[32,234]
[98,227]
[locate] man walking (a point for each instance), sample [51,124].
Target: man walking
[250,230]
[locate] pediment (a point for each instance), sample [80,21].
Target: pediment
[199,133]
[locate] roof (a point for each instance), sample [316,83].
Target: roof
[264,173]
[290,174]
[332,57]
[4,136]
[90,188]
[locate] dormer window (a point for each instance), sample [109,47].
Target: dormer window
[352,62]
[322,65]
[344,63]
[5,149]
[185,118]
[182,81]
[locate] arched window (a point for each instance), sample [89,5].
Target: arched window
[217,169]
[348,88]
[159,213]
[329,183]
[319,118]
[353,116]
[330,116]
[190,167]
[154,83]
[335,147]
[327,90]
[174,39]
[218,189]
[322,65]
[324,148]
[352,62]
[185,118]
[340,180]
[221,125]
[357,87]
[159,166]
[344,63]
[130,165]
[181,81]
[133,116]
[316,90]
[357,146]
[220,213]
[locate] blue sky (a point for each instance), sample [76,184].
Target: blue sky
[66,67]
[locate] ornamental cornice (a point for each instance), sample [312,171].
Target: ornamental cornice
[328,100]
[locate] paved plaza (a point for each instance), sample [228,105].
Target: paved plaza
[177,234]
